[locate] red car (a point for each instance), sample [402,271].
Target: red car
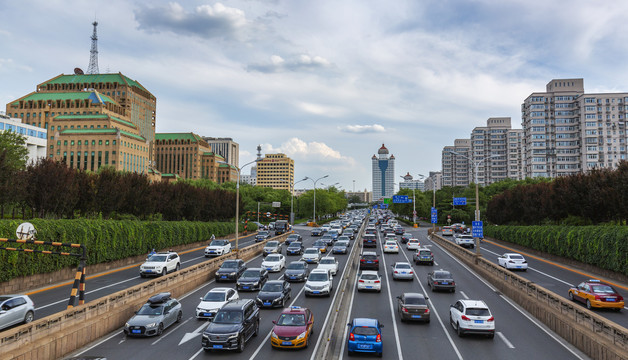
[594,293]
[293,328]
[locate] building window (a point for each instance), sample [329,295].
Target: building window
[99,142]
[106,142]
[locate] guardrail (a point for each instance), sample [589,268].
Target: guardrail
[54,336]
[593,334]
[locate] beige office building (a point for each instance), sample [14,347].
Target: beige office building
[276,171]
[456,170]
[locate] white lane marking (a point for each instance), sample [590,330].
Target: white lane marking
[464,295]
[189,336]
[508,343]
[320,338]
[435,263]
[540,272]
[171,331]
[433,309]
[196,354]
[115,333]
[514,305]
[392,311]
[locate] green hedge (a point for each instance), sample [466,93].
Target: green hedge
[603,246]
[106,240]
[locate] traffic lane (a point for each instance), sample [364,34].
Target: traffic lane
[56,299]
[519,331]
[191,348]
[418,339]
[556,279]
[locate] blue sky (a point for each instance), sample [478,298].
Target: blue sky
[326,81]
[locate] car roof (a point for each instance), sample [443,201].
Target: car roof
[294,310]
[236,304]
[413,295]
[369,253]
[220,289]
[275,281]
[473,303]
[369,272]
[401,262]
[365,322]
[414,239]
[324,271]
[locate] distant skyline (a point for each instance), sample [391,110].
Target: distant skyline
[325,82]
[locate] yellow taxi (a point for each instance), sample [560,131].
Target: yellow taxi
[596,294]
[293,328]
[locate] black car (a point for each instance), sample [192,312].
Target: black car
[262,235]
[295,248]
[252,279]
[275,293]
[296,271]
[441,279]
[292,238]
[399,230]
[340,247]
[405,237]
[369,261]
[369,240]
[230,270]
[234,324]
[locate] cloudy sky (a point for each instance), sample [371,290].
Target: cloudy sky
[326,81]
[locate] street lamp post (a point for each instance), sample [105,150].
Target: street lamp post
[433,200]
[315,181]
[292,200]
[237,214]
[476,165]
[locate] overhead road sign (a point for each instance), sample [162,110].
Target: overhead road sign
[460,201]
[401,199]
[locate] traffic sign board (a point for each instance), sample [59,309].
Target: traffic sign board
[478,229]
[460,201]
[434,215]
[401,199]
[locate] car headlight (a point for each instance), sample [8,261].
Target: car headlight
[233,336]
[232,273]
[256,283]
[126,325]
[151,325]
[302,335]
[274,336]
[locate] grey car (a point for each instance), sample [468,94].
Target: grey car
[15,309]
[402,271]
[296,271]
[340,247]
[271,247]
[155,316]
[441,280]
[413,306]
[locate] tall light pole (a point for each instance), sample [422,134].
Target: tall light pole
[433,200]
[237,215]
[315,181]
[476,165]
[292,199]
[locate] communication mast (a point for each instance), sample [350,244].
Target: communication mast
[93,53]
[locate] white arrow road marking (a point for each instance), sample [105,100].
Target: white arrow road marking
[189,336]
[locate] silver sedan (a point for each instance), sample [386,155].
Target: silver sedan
[402,271]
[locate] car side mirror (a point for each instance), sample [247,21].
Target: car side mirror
[427,298]
[310,322]
[451,306]
[348,324]
[275,322]
[381,326]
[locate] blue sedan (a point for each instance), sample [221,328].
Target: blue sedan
[365,336]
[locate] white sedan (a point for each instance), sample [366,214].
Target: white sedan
[369,280]
[274,262]
[329,263]
[413,244]
[513,261]
[391,246]
[214,300]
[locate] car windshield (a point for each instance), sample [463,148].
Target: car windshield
[311,251]
[403,266]
[477,312]
[218,243]
[604,289]
[272,258]
[251,273]
[149,309]
[294,245]
[415,301]
[318,277]
[319,243]
[296,266]
[328,261]
[228,317]
[293,237]
[365,330]
[369,257]
[291,320]
[425,252]
[390,243]
[342,243]
[516,257]
[442,275]
[326,237]
[368,277]
[272,244]
[214,296]
[413,241]
[262,233]
[157,258]
[272,287]
[229,265]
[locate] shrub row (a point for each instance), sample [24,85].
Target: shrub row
[603,246]
[106,240]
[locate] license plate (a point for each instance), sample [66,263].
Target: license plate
[316,292]
[207,314]
[478,321]
[365,346]
[269,268]
[286,343]
[610,299]
[293,277]
[136,331]
[148,271]
[369,287]
[217,346]
[246,287]
[369,262]
[445,283]
[266,304]
[416,316]
[223,277]
[212,252]
[403,272]
[518,267]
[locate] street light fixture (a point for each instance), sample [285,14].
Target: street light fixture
[237,215]
[476,165]
[315,181]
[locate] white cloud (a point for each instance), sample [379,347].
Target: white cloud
[314,151]
[297,63]
[362,129]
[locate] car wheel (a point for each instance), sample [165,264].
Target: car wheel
[160,329]
[179,316]
[380,354]
[307,342]
[459,330]
[178,267]
[350,353]
[453,290]
[588,304]
[240,344]
[256,328]
[490,336]
[164,272]
[432,263]
[451,321]
[142,275]
[570,296]
[427,321]
[29,317]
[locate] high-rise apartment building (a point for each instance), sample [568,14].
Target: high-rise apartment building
[276,171]
[434,181]
[456,168]
[383,174]
[409,183]
[489,150]
[516,165]
[225,147]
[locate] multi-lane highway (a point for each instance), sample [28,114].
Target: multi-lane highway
[518,334]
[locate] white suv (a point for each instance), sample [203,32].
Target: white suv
[311,255]
[214,300]
[218,247]
[472,317]
[465,241]
[319,282]
[160,264]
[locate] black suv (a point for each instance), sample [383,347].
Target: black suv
[234,324]
[369,261]
[230,270]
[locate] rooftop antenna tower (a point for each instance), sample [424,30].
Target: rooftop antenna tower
[93,53]
[259,152]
